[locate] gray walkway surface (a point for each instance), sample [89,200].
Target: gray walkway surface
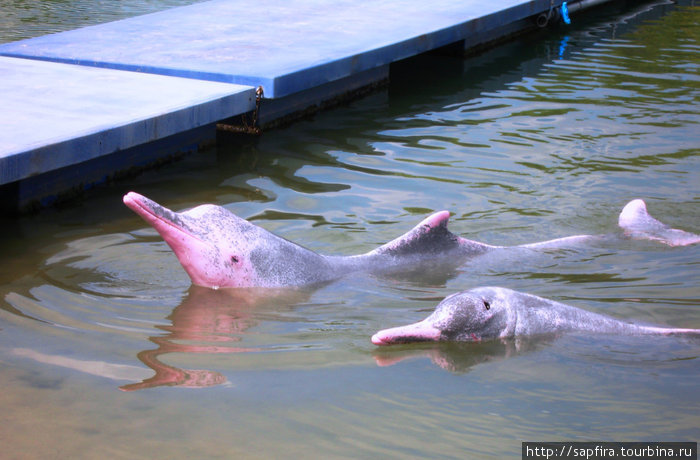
[78,113]
[81,94]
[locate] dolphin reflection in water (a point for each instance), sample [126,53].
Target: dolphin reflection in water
[208,322]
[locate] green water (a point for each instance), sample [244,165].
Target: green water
[31,18]
[544,137]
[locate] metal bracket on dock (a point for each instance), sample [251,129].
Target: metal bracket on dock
[244,127]
[544,18]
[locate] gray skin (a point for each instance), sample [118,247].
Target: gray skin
[218,249]
[488,313]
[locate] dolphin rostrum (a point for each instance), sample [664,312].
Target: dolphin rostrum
[219,249]
[488,313]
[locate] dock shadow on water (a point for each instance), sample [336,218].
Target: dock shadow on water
[545,137]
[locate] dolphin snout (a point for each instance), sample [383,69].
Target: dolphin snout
[380,339]
[140,204]
[133,197]
[417,332]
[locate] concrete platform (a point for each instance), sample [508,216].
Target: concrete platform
[286,47]
[57,115]
[112,90]
[60,116]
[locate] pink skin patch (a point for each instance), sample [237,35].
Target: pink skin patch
[437,219]
[417,332]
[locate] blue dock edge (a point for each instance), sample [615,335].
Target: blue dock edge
[89,103]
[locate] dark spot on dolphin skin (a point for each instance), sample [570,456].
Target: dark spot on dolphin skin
[410,339]
[166,214]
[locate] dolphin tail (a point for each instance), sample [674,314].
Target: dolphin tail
[431,236]
[636,223]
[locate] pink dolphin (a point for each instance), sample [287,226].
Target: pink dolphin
[489,313]
[219,249]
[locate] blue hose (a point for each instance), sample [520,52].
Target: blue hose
[565,13]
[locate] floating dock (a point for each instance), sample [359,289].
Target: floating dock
[83,105]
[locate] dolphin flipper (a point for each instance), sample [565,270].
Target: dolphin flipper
[636,223]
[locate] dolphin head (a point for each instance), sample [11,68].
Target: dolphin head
[215,247]
[469,316]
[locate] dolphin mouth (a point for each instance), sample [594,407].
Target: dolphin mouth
[159,217]
[412,333]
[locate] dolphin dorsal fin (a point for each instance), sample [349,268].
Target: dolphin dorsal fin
[430,236]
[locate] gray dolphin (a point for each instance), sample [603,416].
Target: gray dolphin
[487,313]
[219,249]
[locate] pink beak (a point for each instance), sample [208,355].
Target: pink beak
[417,332]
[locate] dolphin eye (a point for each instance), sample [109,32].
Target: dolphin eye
[234,259]
[487,305]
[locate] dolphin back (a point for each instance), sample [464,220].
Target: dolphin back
[536,315]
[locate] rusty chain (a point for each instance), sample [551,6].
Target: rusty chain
[244,128]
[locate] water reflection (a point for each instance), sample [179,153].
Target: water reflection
[460,358]
[104,369]
[600,349]
[209,321]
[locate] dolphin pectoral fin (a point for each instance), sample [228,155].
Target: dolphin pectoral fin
[637,223]
[417,332]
